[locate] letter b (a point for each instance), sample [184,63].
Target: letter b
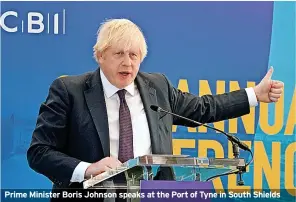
[32,22]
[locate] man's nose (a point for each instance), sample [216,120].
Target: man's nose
[127,60]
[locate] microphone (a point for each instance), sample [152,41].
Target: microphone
[233,139]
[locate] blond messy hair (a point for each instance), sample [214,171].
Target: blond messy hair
[123,31]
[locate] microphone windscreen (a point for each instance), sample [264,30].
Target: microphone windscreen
[154,108]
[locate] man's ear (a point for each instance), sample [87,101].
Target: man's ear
[100,57]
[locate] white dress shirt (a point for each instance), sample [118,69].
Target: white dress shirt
[141,136]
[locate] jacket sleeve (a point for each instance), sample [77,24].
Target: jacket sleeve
[46,154]
[207,108]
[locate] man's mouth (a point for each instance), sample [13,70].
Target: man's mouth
[124,73]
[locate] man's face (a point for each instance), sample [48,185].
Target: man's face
[120,66]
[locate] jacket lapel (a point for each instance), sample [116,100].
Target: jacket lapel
[148,96]
[95,100]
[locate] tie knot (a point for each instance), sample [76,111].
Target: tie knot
[121,94]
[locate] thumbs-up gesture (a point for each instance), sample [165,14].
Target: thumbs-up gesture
[269,90]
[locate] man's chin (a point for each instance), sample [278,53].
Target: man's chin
[124,84]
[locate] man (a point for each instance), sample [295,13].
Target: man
[94,122]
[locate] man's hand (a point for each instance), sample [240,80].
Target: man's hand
[268,90]
[101,166]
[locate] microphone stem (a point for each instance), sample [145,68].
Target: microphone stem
[235,150]
[231,138]
[236,144]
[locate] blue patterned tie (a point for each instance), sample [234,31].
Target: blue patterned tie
[125,130]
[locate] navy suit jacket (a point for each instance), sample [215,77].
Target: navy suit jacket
[72,125]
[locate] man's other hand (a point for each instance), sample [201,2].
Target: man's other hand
[269,90]
[102,166]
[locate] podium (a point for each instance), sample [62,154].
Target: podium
[171,168]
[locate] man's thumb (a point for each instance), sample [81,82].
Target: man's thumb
[269,73]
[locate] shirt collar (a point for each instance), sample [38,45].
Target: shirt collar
[110,89]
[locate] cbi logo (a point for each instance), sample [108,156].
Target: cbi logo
[34,22]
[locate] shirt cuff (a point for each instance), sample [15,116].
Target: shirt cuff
[252,97]
[79,171]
